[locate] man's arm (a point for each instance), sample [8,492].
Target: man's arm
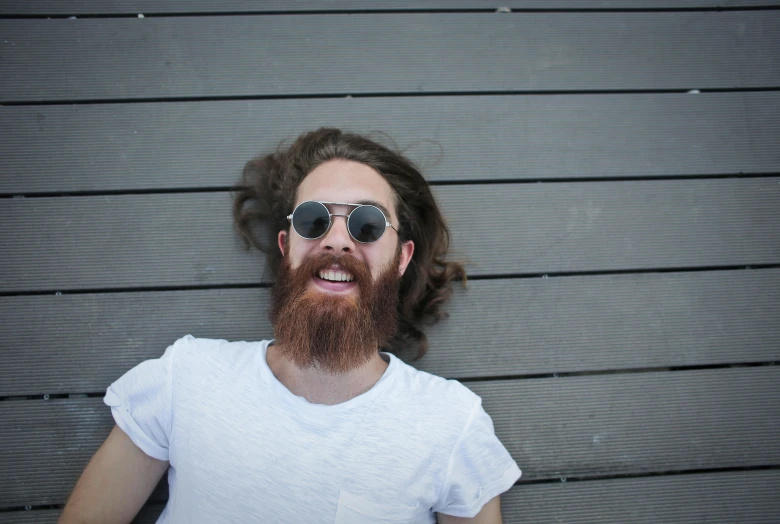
[115,484]
[489,514]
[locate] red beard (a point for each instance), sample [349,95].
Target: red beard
[330,332]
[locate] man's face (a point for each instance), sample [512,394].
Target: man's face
[349,182]
[335,300]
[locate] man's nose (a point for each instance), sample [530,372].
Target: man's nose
[338,239]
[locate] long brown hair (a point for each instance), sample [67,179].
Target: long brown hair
[267,193]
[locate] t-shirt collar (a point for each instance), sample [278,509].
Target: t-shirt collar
[324,411]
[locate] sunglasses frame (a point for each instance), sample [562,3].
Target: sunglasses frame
[346,217]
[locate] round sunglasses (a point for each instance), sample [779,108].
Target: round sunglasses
[365,223]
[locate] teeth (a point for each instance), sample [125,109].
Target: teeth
[336,276]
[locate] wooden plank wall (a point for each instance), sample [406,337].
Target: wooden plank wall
[609,168]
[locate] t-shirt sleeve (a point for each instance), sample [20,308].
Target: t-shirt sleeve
[480,468]
[141,402]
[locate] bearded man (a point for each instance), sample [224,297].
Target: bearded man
[324,423]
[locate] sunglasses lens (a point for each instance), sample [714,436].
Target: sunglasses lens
[366,224]
[311,220]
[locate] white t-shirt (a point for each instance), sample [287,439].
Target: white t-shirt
[243,448]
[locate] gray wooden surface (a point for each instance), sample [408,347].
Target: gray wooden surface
[630,423]
[501,327]
[53,7]
[147,515]
[654,393]
[186,239]
[185,57]
[116,147]
[740,497]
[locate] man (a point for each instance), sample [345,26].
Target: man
[318,425]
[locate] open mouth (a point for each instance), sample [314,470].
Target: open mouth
[334,280]
[335,275]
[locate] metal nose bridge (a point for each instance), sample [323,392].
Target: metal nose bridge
[346,218]
[332,222]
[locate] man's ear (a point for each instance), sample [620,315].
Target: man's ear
[407,250]
[281,239]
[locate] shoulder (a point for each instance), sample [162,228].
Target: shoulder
[442,401]
[190,352]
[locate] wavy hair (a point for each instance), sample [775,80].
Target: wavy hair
[267,193]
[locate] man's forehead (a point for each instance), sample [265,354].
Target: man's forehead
[350,182]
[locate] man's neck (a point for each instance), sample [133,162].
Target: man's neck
[319,387]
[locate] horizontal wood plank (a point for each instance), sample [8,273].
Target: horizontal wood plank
[114,242]
[81,343]
[227,56]
[147,515]
[91,7]
[748,497]
[560,427]
[635,423]
[68,148]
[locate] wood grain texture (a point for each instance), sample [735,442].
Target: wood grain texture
[147,515]
[81,343]
[745,497]
[181,102]
[249,56]
[559,427]
[125,241]
[168,145]
[83,7]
